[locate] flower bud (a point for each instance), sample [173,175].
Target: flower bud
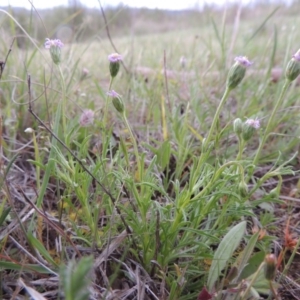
[182,62]
[118,104]
[238,126]
[29,130]
[117,101]
[243,189]
[270,266]
[114,64]
[293,67]
[237,71]
[249,127]
[55,49]
[274,193]
[84,74]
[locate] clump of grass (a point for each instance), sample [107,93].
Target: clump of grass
[159,201]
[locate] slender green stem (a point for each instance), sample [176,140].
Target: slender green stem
[106,103]
[268,127]
[216,117]
[37,159]
[50,164]
[136,152]
[291,259]
[209,137]
[273,290]
[63,100]
[241,148]
[217,175]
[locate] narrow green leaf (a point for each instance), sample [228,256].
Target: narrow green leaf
[164,153]
[28,268]
[245,255]
[41,249]
[261,26]
[4,215]
[224,252]
[74,278]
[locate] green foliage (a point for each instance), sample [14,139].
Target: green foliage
[224,252]
[160,191]
[39,247]
[74,279]
[4,214]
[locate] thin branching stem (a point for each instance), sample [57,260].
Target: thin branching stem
[217,116]
[135,147]
[271,119]
[106,103]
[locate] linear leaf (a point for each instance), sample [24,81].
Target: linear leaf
[41,249]
[19,267]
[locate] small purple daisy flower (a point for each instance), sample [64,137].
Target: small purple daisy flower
[249,128]
[243,60]
[113,94]
[53,43]
[296,56]
[54,47]
[115,57]
[254,123]
[86,118]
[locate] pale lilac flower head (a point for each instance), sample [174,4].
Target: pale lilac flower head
[254,123]
[55,49]
[113,94]
[86,118]
[115,57]
[53,43]
[296,56]
[243,60]
[84,74]
[249,128]
[85,71]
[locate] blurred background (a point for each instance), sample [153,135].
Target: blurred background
[81,21]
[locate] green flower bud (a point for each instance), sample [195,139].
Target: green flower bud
[249,127]
[114,64]
[270,266]
[118,104]
[117,101]
[293,67]
[238,126]
[243,189]
[237,71]
[274,193]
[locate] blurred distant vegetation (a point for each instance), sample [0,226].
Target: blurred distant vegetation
[79,23]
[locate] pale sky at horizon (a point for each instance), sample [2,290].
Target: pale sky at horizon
[162,4]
